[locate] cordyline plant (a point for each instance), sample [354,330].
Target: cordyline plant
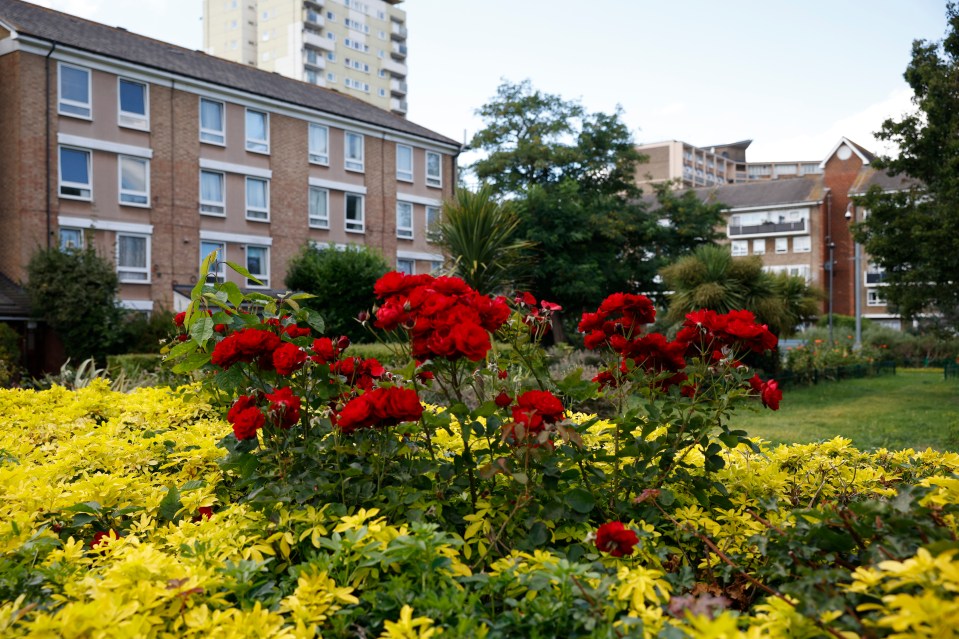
[312,424]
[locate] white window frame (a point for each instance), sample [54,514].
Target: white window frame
[130,119]
[60,240]
[807,240]
[263,277]
[759,246]
[220,264]
[130,194]
[404,232]
[315,221]
[353,163]
[432,233]
[874,297]
[435,181]
[412,263]
[315,155]
[358,226]
[121,270]
[257,145]
[782,245]
[212,205]
[213,136]
[250,209]
[87,186]
[739,248]
[404,174]
[74,104]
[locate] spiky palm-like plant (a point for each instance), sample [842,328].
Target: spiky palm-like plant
[480,234]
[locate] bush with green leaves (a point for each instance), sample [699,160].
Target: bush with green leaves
[341,283]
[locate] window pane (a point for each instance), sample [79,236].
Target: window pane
[319,143]
[256,194]
[404,162]
[70,239]
[354,212]
[256,131]
[211,115]
[405,266]
[404,219]
[318,207]
[74,84]
[211,186]
[133,174]
[256,264]
[133,251]
[132,97]
[74,166]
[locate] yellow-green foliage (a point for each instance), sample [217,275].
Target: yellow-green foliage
[183,576]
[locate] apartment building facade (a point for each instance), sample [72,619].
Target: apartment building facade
[357,47]
[156,155]
[802,226]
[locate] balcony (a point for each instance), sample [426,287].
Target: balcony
[399,51]
[398,31]
[316,41]
[398,106]
[398,87]
[313,4]
[768,228]
[872,279]
[313,19]
[398,69]
[314,60]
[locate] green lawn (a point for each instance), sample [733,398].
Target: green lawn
[916,408]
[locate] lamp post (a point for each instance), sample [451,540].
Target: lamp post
[829,269]
[857,278]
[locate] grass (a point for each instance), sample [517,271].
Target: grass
[916,408]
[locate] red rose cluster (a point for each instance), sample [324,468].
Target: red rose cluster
[616,539]
[378,408]
[768,392]
[247,416]
[246,345]
[534,409]
[708,333]
[444,316]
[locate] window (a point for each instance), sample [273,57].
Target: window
[134,181]
[133,258]
[257,199]
[874,298]
[740,247]
[433,171]
[133,104]
[70,239]
[75,174]
[407,267]
[436,267]
[212,196]
[759,247]
[319,144]
[382,93]
[404,163]
[319,208]
[212,127]
[218,268]
[802,244]
[432,223]
[354,213]
[257,131]
[354,151]
[404,220]
[331,56]
[782,244]
[330,77]
[258,264]
[75,91]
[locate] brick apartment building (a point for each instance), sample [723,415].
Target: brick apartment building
[156,155]
[791,223]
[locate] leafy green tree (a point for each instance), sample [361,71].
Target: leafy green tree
[711,278]
[914,234]
[75,293]
[480,234]
[341,280]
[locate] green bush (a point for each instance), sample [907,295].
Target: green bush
[143,333]
[342,281]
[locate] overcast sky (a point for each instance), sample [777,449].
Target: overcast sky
[792,76]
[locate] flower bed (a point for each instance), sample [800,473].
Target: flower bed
[331,501]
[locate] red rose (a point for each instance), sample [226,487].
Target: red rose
[288,358]
[246,417]
[358,413]
[325,352]
[103,536]
[399,405]
[295,331]
[771,395]
[179,318]
[543,403]
[503,400]
[616,539]
[285,405]
[471,340]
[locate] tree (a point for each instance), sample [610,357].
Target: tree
[341,280]
[914,234]
[481,235]
[711,278]
[74,292]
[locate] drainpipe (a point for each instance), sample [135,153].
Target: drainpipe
[46,146]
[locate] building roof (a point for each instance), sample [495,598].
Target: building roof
[764,193]
[53,26]
[14,303]
[869,177]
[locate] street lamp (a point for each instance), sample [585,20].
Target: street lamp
[857,278]
[829,270]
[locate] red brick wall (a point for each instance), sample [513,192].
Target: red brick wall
[838,177]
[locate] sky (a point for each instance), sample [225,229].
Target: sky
[793,76]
